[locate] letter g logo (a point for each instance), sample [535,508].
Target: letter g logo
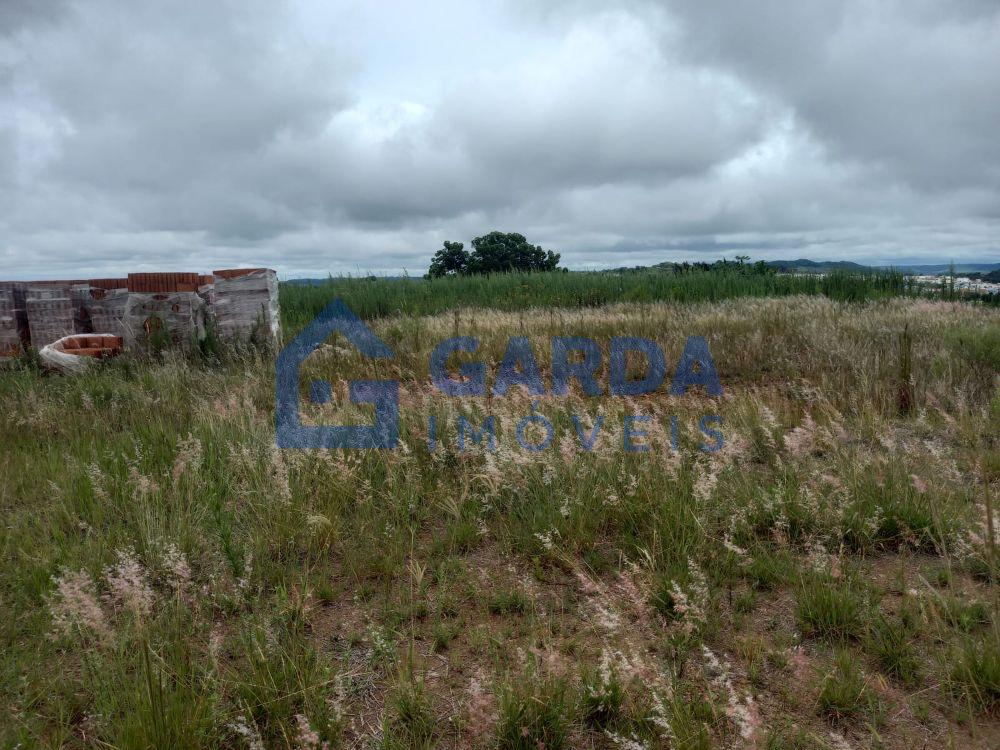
[384,394]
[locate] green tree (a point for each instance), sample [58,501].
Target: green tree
[496,252]
[451,260]
[503,252]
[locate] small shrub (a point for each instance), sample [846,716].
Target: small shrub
[890,641]
[843,691]
[829,610]
[939,576]
[462,535]
[158,335]
[978,566]
[448,605]
[603,695]
[273,677]
[411,722]
[534,713]
[383,650]
[683,718]
[965,616]
[209,346]
[767,571]
[443,634]
[681,593]
[976,674]
[892,514]
[324,591]
[980,348]
[508,602]
[662,597]
[789,738]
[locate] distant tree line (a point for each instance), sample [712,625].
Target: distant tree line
[991,276]
[740,265]
[496,252]
[510,252]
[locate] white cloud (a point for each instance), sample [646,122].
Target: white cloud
[350,137]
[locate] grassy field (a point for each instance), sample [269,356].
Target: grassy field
[826,580]
[375,297]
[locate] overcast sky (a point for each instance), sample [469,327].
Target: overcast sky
[354,137]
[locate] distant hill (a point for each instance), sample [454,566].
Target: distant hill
[799,265]
[992,276]
[937,268]
[803,265]
[318,282]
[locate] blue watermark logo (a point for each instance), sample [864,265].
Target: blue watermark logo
[573,358]
[384,394]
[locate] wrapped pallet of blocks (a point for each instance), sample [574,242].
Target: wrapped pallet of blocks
[106,310]
[50,313]
[246,304]
[206,289]
[16,293]
[79,294]
[153,320]
[11,342]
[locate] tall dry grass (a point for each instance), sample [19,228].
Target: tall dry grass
[174,580]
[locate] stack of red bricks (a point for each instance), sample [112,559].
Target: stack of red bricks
[243,301]
[108,283]
[99,347]
[162,283]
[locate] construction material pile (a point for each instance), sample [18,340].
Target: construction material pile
[163,318]
[142,310]
[76,353]
[245,302]
[106,309]
[163,308]
[13,320]
[50,313]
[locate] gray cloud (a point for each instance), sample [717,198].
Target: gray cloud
[314,137]
[909,85]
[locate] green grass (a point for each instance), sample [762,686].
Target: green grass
[844,692]
[508,602]
[892,641]
[965,616]
[830,609]
[602,697]
[411,723]
[376,298]
[172,580]
[976,674]
[535,711]
[979,348]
